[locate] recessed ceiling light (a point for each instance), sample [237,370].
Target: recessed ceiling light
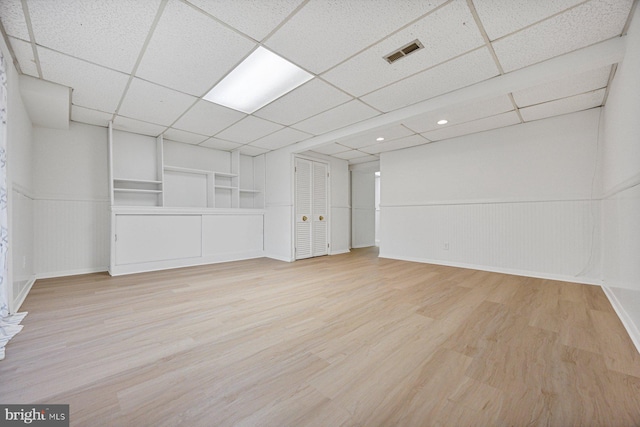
[261,78]
[443,122]
[380,139]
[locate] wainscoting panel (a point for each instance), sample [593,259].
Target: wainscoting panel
[72,236]
[553,239]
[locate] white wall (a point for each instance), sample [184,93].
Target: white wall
[72,200]
[278,215]
[621,187]
[516,200]
[20,189]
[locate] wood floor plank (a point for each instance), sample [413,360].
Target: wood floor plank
[346,340]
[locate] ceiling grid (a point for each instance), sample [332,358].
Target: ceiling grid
[147,65]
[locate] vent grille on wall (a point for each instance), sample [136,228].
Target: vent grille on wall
[414,46]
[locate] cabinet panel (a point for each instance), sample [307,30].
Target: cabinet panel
[232,234]
[147,238]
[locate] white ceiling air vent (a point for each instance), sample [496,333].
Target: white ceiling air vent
[414,46]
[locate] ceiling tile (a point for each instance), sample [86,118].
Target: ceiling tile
[308,100]
[12,18]
[331,148]
[503,17]
[24,55]
[248,130]
[109,33]
[351,154]
[323,33]
[563,106]
[82,76]
[338,117]
[190,52]
[581,26]
[281,138]
[481,125]
[455,74]
[137,126]
[398,144]
[254,18]
[448,32]
[91,117]
[248,150]
[155,104]
[182,136]
[220,144]
[365,159]
[207,118]
[369,138]
[460,114]
[569,86]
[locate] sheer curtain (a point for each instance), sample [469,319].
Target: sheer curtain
[9,325]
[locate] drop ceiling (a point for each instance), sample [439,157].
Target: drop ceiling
[146,64]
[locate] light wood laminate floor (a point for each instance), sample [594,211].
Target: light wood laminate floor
[347,340]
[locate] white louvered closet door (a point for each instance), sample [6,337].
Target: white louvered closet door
[319,218]
[311,188]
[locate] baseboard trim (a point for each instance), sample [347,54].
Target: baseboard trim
[632,328]
[64,273]
[17,302]
[279,258]
[515,272]
[145,267]
[342,251]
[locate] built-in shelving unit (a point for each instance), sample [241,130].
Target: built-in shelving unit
[140,176]
[175,205]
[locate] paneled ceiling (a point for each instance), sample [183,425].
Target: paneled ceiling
[146,64]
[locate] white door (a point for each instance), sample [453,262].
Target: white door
[311,206]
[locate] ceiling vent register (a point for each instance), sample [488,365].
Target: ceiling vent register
[414,46]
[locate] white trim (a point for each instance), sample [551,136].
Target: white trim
[158,210]
[67,198]
[512,271]
[632,328]
[22,190]
[65,273]
[623,186]
[17,303]
[144,267]
[488,202]
[344,251]
[279,258]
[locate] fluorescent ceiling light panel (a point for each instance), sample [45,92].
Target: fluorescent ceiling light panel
[261,78]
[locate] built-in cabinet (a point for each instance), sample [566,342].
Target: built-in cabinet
[175,204]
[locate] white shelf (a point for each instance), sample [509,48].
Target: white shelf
[243,190]
[136,190]
[228,175]
[186,170]
[136,181]
[225,187]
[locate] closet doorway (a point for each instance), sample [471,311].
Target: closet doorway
[311,208]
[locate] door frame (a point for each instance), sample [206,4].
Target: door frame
[293,198]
